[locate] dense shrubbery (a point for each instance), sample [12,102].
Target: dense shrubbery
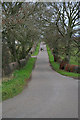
[70,68]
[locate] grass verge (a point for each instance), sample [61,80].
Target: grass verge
[14,86]
[36,51]
[55,66]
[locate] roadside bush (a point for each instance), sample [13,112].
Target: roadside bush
[62,64]
[72,68]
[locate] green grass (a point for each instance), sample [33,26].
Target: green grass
[74,60]
[56,66]
[36,51]
[14,86]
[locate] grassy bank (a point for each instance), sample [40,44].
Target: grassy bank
[37,50]
[14,86]
[55,66]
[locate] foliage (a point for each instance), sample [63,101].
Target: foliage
[16,84]
[26,23]
[19,31]
[63,25]
[55,66]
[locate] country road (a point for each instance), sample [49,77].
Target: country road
[48,94]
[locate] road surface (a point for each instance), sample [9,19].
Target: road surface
[48,94]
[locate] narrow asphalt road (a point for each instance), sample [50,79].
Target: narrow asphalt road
[48,95]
